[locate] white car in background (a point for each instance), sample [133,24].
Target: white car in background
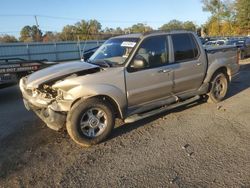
[215,43]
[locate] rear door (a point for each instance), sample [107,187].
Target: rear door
[155,81]
[189,63]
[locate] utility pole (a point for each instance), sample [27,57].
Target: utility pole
[37,26]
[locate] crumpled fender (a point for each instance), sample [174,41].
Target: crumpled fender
[90,90]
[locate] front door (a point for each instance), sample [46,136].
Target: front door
[155,80]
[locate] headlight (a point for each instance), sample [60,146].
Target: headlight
[34,93]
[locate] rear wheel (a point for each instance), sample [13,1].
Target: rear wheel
[219,87]
[90,121]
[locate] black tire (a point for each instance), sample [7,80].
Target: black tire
[219,87]
[80,111]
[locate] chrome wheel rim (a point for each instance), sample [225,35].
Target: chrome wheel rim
[220,87]
[93,122]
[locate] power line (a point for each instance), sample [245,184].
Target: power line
[78,19]
[15,15]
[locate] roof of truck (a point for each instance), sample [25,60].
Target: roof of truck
[151,33]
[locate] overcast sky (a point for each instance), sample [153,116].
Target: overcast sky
[54,14]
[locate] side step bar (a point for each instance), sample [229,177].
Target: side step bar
[137,117]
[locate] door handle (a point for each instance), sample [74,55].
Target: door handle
[164,71]
[198,64]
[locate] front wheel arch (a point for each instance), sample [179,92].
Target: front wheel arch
[116,109]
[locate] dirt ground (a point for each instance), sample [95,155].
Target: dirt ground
[200,145]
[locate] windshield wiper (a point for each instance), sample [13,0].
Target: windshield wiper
[101,62]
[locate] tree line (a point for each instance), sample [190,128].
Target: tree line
[228,18]
[89,30]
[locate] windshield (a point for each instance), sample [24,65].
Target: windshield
[114,51]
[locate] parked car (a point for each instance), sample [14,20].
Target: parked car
[243,44]
[129,77]
[210,43]
[215,43]
[220,42]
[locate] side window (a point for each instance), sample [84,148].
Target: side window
[185,47]
[154,51]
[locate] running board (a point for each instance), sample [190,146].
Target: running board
[137,117]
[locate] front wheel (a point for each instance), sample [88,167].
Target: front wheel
[219,87]
[90,121]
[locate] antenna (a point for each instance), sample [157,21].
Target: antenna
[85,42]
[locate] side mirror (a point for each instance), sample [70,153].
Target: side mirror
[138,63]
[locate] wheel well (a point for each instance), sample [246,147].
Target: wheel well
[104,98]
[221,69]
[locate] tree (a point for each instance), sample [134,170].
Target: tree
[223,14]
[119,31]
[213,6]
[178,25]
[30,34]
[212,27]
[7,39]
[50,36]
[94,28]
[190,26]
[68,33]
[172,25]
[86,30]
[109,32]
[139,28]
[25,34]
[243,15]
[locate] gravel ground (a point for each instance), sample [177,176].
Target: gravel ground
[200,145]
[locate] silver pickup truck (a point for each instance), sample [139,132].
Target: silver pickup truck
[129,77]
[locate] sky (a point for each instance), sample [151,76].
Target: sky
[52,15]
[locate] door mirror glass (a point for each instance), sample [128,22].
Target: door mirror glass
[138,63]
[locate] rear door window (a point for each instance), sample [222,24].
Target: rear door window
[185,47]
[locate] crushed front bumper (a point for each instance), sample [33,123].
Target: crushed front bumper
[54,120]
[44,109]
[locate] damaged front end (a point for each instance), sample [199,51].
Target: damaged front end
[50,103]
[44,102]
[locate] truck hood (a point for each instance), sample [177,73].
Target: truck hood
[58,71]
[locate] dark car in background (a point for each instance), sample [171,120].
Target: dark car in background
[243,44]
